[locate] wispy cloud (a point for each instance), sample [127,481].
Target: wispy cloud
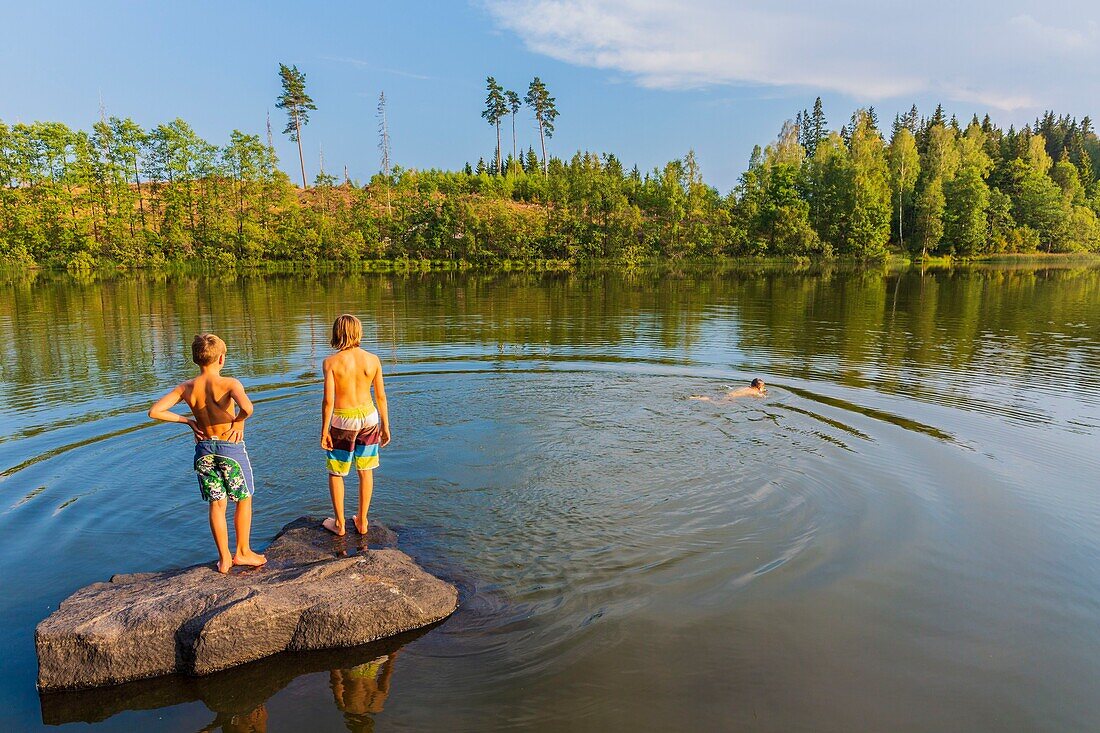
[374,67]
[992,54]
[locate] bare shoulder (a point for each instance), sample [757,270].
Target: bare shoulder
[372,360]
[231,383]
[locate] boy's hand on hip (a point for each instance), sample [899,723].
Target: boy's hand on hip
[326,441]
[235,434]
[199,434]
[385,436]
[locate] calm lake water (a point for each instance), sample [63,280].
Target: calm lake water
[903,536]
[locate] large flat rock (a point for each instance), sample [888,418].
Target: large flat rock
[317,591]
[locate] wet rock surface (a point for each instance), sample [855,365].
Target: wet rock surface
[317,591]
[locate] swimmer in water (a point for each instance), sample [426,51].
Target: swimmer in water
[756,388]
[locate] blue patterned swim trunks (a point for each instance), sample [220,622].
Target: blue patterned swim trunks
[224,470]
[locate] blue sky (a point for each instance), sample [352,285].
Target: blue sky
[646,80]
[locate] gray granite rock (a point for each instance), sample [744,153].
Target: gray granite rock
[317,591]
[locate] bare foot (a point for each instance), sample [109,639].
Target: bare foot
[224,564]
[250,558]
[360,529]
[331,525]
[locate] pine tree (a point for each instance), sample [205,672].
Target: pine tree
[542,104]
[495,108]
[298,105]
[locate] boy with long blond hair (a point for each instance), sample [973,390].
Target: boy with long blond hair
[352,428]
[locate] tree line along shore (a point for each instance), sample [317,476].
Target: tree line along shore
[125,196]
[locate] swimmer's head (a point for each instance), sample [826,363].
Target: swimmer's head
[758,385]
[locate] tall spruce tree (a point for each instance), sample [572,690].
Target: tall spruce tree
[816,128]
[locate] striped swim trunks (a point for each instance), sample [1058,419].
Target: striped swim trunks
[355,433]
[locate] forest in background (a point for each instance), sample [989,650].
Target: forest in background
[120,195]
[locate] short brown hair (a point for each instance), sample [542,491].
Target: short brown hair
[206,348]
[347,332]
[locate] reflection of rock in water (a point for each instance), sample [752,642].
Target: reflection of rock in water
[239,694]
[362,690]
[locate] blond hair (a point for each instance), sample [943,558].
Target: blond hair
[347,332]
[206,348]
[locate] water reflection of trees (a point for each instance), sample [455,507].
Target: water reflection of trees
[130,335]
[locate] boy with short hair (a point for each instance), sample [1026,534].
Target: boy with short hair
[221,461]
[352,429]
[756,388]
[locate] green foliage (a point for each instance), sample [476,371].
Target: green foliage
[870,207]
[967,202]
[904,162]
[928,227]
[294,100]
[496,106]
[125,196]
[545,110]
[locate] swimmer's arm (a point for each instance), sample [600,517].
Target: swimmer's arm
[327,402]
[244,411]
[383,408]
[700,397]
[161,410]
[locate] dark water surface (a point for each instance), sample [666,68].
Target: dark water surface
[904,536]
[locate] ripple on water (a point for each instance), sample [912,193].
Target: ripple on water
[571,507]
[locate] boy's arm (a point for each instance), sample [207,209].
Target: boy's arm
[161,410]
[327,402]
[235,433]
[383,408]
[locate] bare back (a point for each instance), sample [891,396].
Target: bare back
[211,399]
[352,373]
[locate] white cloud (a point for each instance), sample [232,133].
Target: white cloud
[993,54]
